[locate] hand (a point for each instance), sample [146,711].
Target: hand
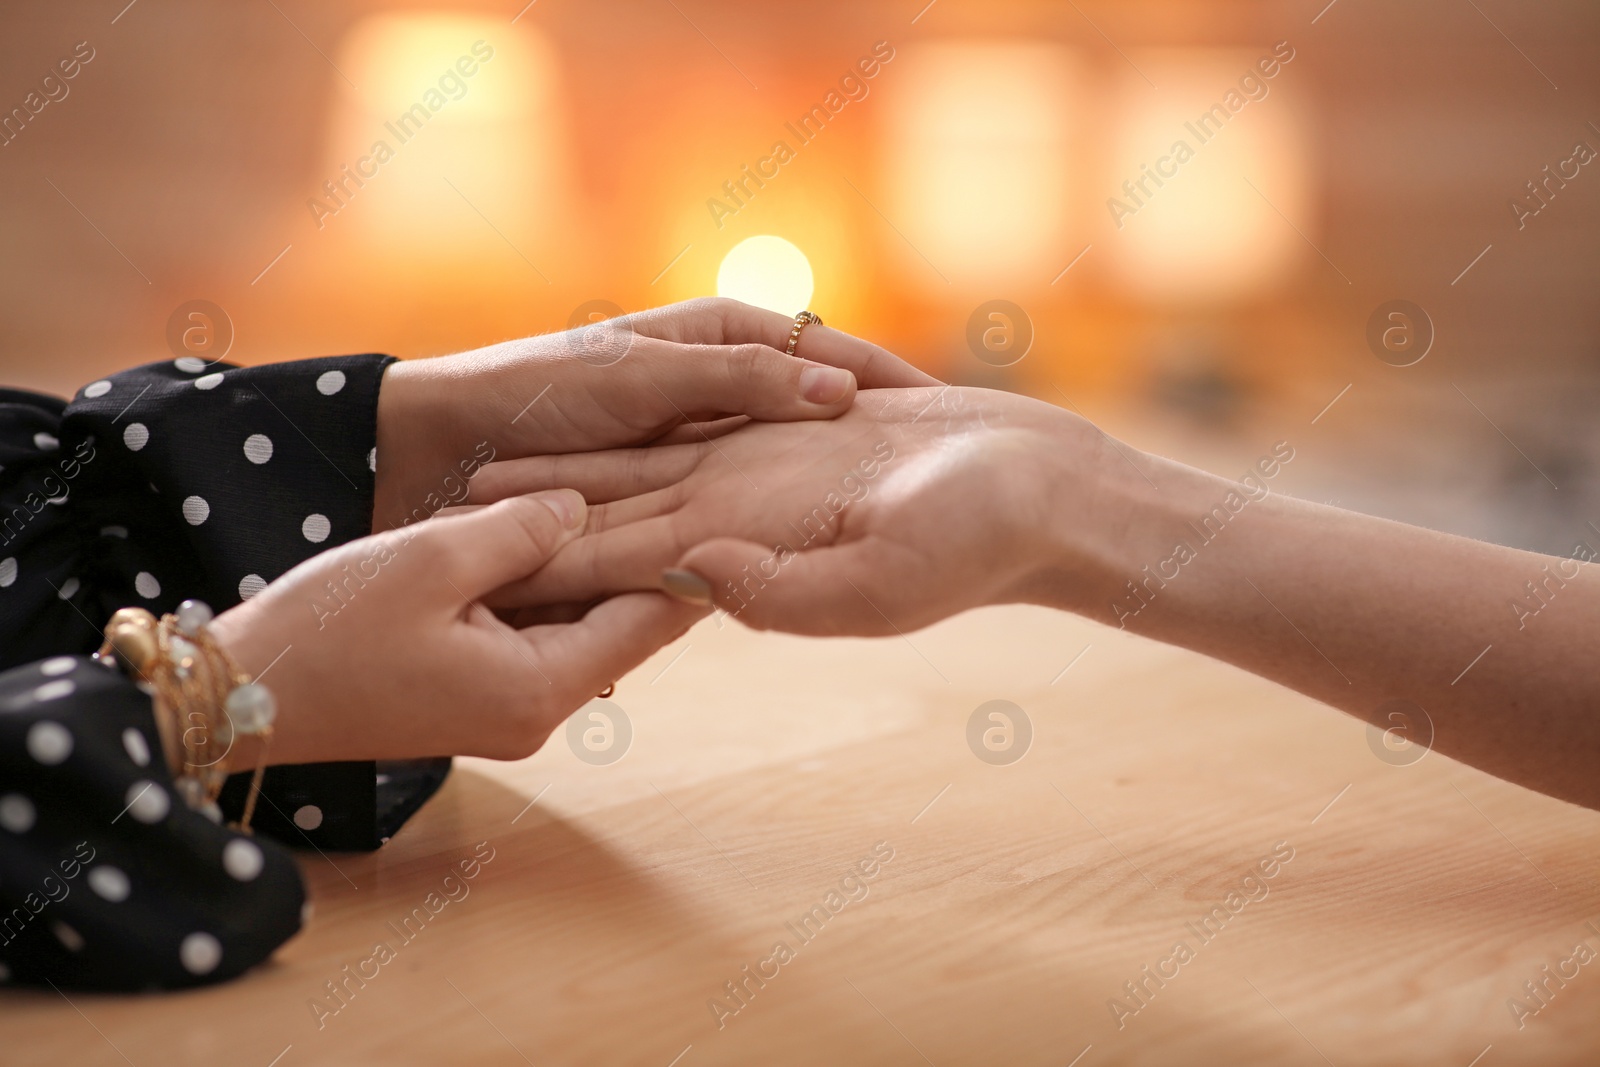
[623,382]
[914,505]
[404,662]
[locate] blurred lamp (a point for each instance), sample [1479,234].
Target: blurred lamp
[981,138]
[430,97]
[768,272]
[1217,222]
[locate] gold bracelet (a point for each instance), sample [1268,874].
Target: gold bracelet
[202,701]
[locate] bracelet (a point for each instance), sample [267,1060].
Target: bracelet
[202,700]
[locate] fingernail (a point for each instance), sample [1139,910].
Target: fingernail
[825,385]
[568,506]
[686,586]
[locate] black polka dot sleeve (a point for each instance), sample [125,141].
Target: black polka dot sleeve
[176,480]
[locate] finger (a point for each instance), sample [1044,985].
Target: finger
[692,432]
[627,559]
[484,550]
[615,637]
[820,592]
[745,379]
[718,320]
[600,476]
[603,517]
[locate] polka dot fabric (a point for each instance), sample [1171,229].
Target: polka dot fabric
[106,880]
[154,485]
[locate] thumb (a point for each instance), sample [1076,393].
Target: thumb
[481,550]
[823,592]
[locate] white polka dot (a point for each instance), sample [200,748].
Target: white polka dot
[250,585]
[69,589]
[316,528]
[61,687]
[114,531]
[70,938]
[49,742]
[136,436]
[258,448]
[196,510]
[56,666]
[330,382]
[94,389]
[46,442]
[372,461]
[137,747]
[190,364]
[208,381]
[145,584]
[16,813]
[109,883]
[200,953]
[242,859]
[8,571]
[147,801]
[5,972]
[308,817]
[307,911]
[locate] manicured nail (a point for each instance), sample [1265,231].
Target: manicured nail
[686,586]
[568,506]
[824,385]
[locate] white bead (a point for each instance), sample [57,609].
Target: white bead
[192,615]
[251,708]
[182,650]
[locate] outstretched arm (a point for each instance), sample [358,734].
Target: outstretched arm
[921,503]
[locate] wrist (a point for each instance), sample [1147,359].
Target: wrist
[1110,512]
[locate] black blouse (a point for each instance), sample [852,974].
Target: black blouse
[175,480]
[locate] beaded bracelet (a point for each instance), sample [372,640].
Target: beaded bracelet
[202,700]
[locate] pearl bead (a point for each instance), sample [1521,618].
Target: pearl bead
[252,708]
[184,655]
[193,615]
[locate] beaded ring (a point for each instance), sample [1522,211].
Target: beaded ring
[801,321]
[202,701]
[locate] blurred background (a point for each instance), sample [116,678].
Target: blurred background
[992,188]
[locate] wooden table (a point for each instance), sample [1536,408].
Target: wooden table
[1019,900]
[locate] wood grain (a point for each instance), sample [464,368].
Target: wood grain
[1016,904]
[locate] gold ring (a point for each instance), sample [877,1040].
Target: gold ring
[801,321]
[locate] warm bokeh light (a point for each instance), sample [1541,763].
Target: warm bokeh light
[1221,224]
[979,147]
[768,272]
[470,111]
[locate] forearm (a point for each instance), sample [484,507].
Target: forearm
[1353,610]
